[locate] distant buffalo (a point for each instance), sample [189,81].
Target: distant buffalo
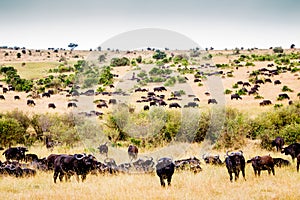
[51,105]
[214,101]
[235,96]
[174,105]
[30,102]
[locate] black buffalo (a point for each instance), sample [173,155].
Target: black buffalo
[214,101]
[293,150]
[30,102]
[191,164]
[15,153]
[165,169]
[278,143]
[2,97]
[235,96]
[16,97]
[260,163]
[31,157]
[103,149]
[265,102]
[174,105]
[132,152]
[235,162]
[159,89]
[71,104]
[46,94]
[277,82]
[146,107]
[279,162]
[51,105]
[78,164]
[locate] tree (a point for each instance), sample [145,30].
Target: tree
[159,55]
[293,46]
[19,55]
[72,46]
[102,58]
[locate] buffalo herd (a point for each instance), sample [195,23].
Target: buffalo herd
[80,165]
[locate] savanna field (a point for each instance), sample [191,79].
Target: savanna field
[103,85]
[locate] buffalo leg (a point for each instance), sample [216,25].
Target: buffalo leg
[258,172]
[55,176]
[230,175]
[169,180]
[273,170]
[162,183]
[298,163]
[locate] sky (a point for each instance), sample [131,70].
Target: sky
[89,23]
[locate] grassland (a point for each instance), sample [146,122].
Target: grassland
[212,183]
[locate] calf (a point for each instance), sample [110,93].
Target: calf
[279,162]
[165,169]
[260,163]
[213,160]
[132,152]
[278,143]
[103,149]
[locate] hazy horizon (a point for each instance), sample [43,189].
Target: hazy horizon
[41,24]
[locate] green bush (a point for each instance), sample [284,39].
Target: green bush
[235,86]
[277,50]
[249,64]
[159,55]
[286,89]
[116,62]
[227,91]
[11,132]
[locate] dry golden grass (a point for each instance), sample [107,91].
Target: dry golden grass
[211,183]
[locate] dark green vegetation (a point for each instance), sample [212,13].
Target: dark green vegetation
[226,128]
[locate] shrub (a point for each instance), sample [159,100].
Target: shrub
[249,64]
[139,59]
[116,62]
[235,86]
[227,91]
[11,132]
[258,97]
[19,55]
[286,89]
[277,50]
[158,55]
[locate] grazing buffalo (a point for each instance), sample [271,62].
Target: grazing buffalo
[132,152]
[213,160]
[2,97]
[279,162]
[50,161]
[235,162]
[260,163]
[191,104]
[71,104]
[15,153]
[165,169]
[51,92]
[293,150]
[78,164]
[101,105]
[298,162]
[196,99]
[103,149]
[51,105]
[278,142]
[246,84]
[159,89]
[277,82]
[174,105]
[267,80]
[46,94]
[240,83]
[144,165]
[259,81]
[235,96]
[146,107]
[17,97]
[265,102]
[31,157]
[291,102]
[30,102]
[283,96]
[191,164]
[112,101]
[214,101]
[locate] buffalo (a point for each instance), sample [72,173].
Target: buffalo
[103,149]
[30,102]
[191,164]
[51,105]
[174,105]
[46,94]
[132,152]
[146,107]
[71,104]
[265,102]
[235,162]
[78,164]
[213,160]
[15,153]
[279,162]
[277,82]
[31,157]
[293,150]
[235,96]
[278,142]
[2,97]
[283,96]
[165,168]
[213,101]
[260,163]
[16,97]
